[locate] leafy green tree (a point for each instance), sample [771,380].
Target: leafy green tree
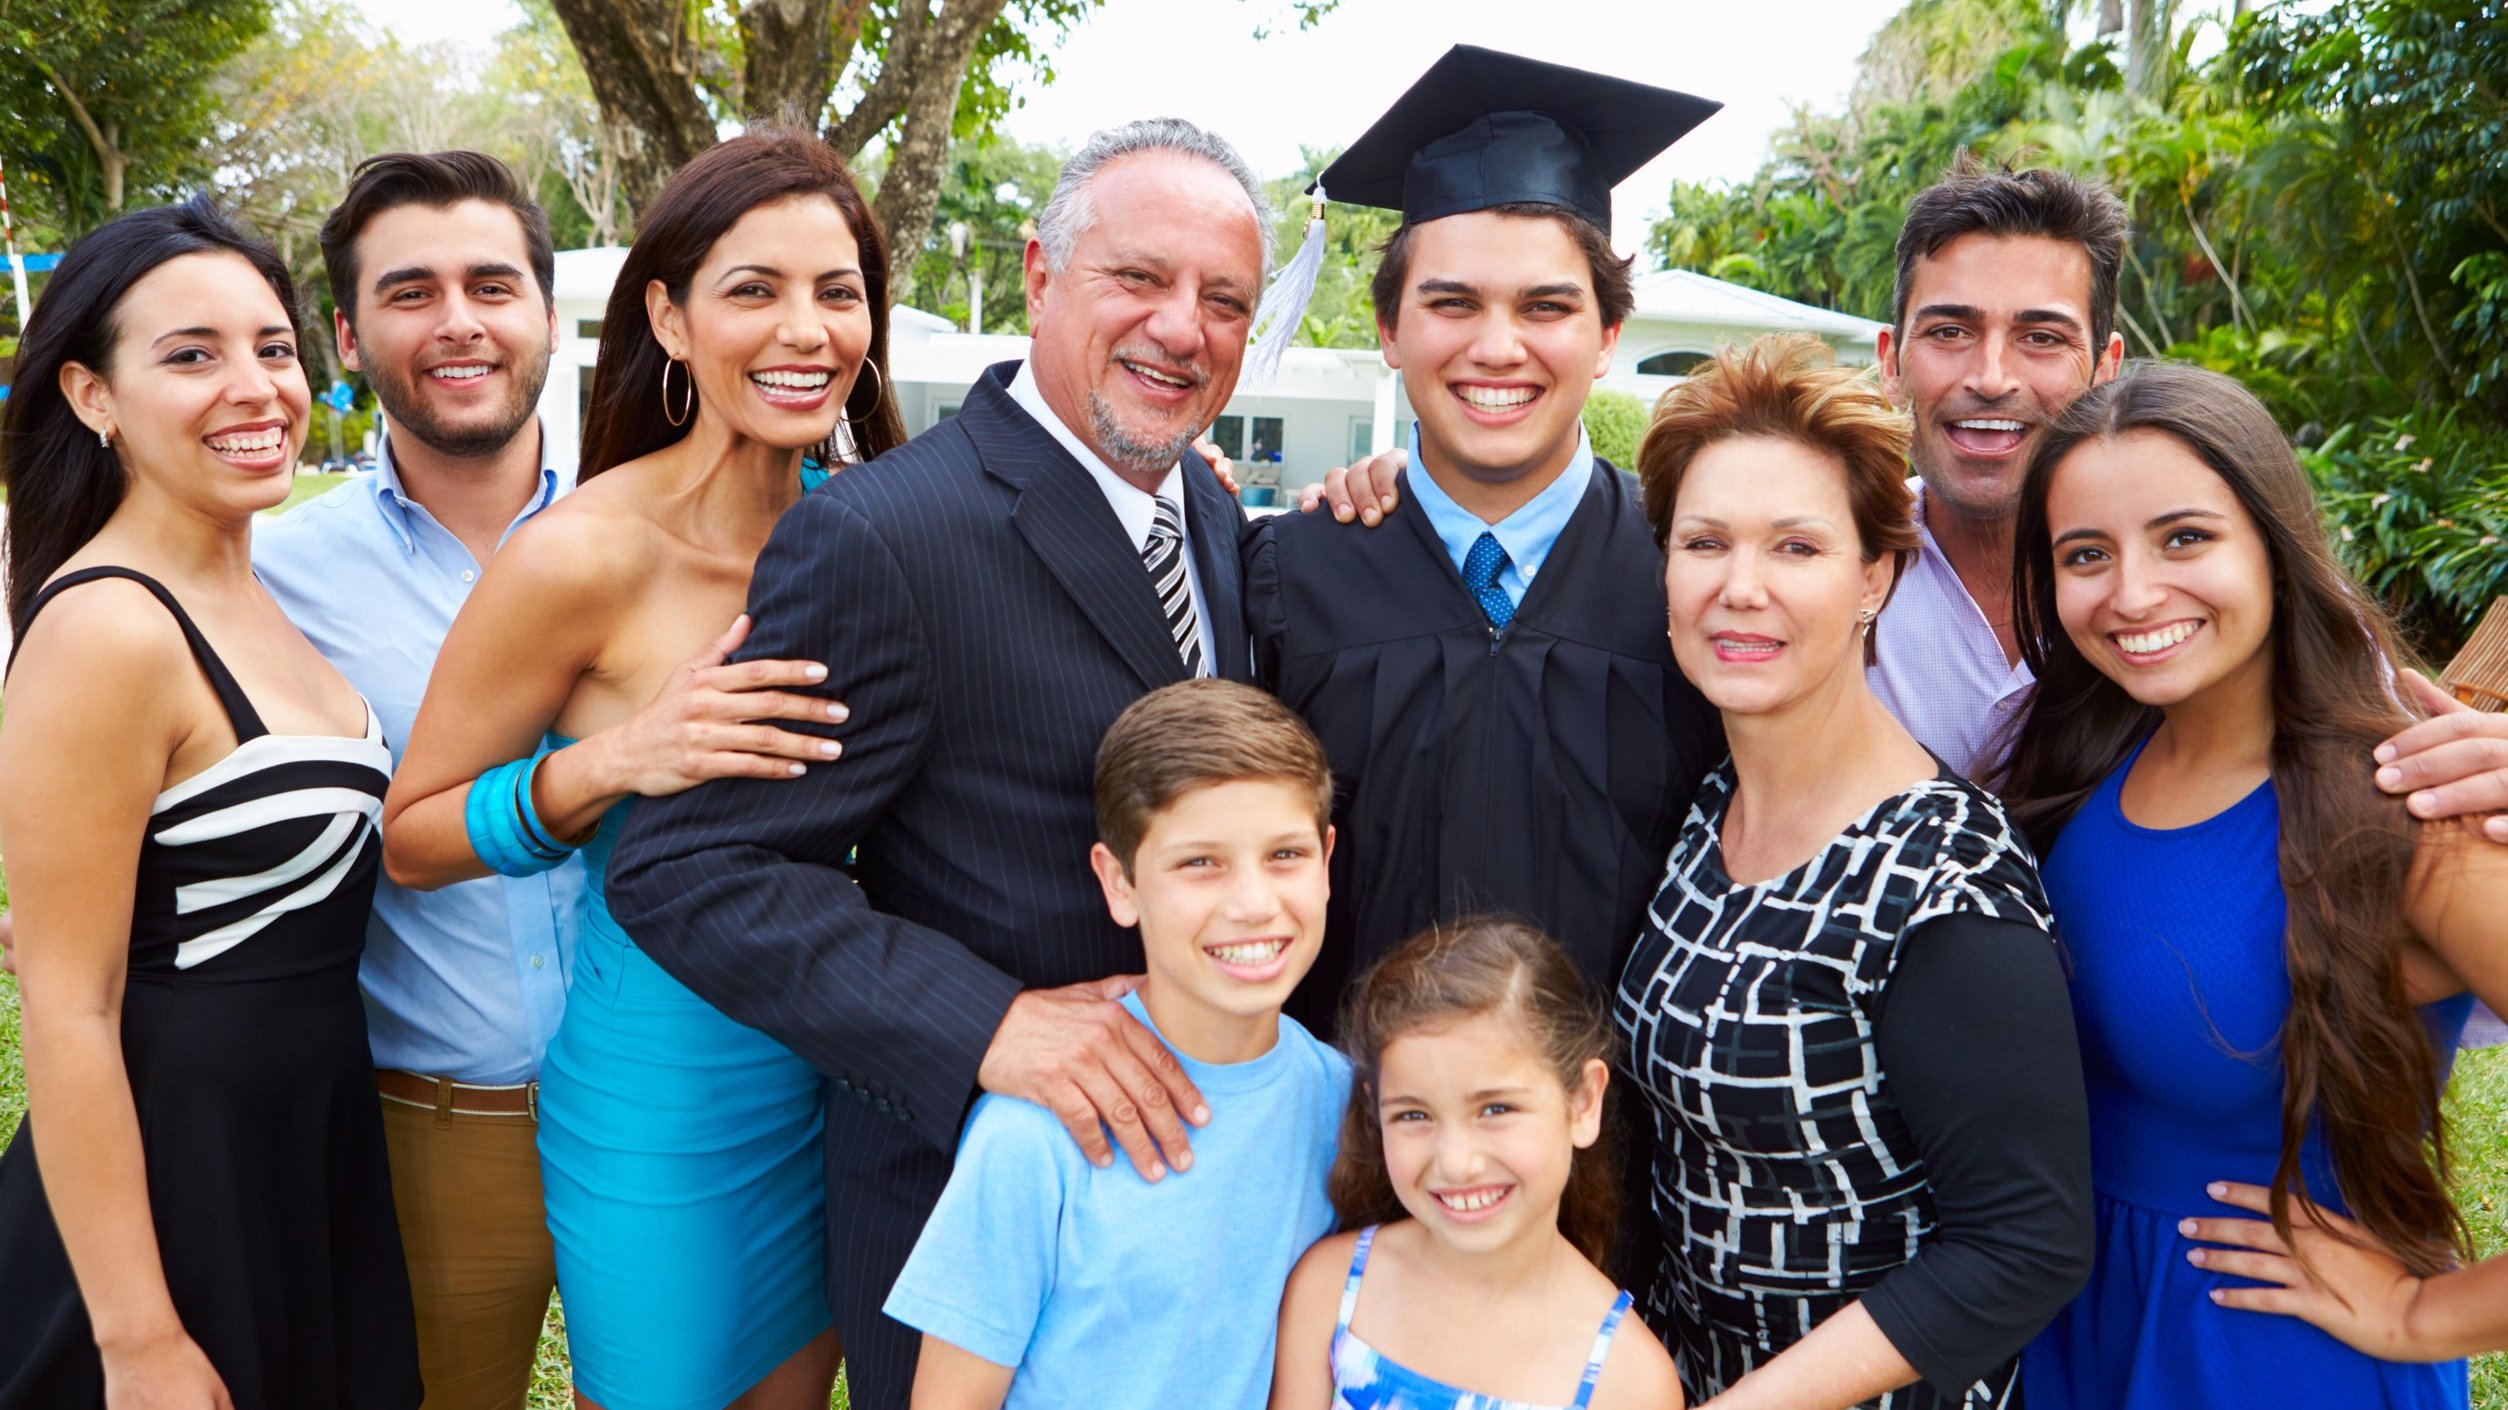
[995,189]
[102,101]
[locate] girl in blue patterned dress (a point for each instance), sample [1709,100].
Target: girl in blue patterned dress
[681,1152]
[1474,1172]
[2272,961]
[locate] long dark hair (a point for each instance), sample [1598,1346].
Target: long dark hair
[705,198]
[2356,1059]
[63,485]
[1480,965]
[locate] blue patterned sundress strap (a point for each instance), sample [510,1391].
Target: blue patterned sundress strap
[813,474]
[1601,1351]
[1350,1285]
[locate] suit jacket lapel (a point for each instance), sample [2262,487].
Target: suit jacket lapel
[1217,527]
[1069,525]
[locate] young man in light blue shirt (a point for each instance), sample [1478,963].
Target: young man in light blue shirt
[1045,1280]
[440,266]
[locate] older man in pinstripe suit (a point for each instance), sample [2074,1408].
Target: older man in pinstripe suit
[988,598]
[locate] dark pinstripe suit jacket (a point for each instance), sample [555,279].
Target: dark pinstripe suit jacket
[985,618]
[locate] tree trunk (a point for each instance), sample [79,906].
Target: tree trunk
[786,77]
[2111,17]
[104,142]
[643,74]
[887,95]
[911,190]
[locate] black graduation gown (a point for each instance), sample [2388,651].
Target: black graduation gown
[1542,772]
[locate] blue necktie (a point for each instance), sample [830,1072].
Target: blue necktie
[1481,568]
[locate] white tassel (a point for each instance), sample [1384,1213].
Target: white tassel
[1284,304]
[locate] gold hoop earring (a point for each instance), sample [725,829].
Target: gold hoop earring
[687,404]
[877,397]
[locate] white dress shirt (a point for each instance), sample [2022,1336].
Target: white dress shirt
[1940,668]
[1135,509]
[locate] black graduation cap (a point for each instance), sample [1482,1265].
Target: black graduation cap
[1483,129]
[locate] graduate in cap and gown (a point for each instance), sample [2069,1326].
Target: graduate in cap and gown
[1490,674]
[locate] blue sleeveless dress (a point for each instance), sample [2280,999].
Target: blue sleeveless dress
[684,1165]
[1363,1379]
[2180,990]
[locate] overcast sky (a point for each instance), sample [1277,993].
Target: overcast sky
[1199,59]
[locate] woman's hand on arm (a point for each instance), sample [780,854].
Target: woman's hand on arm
[541,617]
[2355,1291]
[2349,1288]
[85,749]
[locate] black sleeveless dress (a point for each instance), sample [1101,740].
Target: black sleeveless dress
[245,1042]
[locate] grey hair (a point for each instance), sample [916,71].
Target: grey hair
[1069,213]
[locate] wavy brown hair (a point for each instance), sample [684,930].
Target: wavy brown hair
[704,199]
[1446,974]
[2356,1060]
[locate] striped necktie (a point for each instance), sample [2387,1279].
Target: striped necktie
[1163,556]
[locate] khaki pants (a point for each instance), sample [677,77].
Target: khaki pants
[467,1189]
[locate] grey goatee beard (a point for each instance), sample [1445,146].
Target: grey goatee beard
[1125,451]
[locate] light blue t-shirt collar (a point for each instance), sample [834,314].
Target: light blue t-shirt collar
[1215,1077]
[1527,535]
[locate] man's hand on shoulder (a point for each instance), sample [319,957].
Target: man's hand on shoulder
[1078,1053]
[1220,464]
[2453,764]
[1364,491]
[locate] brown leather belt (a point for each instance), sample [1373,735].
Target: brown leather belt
[444,1096]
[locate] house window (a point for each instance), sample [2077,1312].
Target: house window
[1673,364]
[588,329]
[942,412]
[1266,447]
[1228,433]
[1362,439]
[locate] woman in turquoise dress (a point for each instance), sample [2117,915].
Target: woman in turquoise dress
[681,1151]
[2272,960]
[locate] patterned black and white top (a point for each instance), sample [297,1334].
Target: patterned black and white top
[1862,1086]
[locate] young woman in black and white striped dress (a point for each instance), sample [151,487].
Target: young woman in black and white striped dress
[197,1212]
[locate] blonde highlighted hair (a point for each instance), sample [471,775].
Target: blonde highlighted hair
[1788,386]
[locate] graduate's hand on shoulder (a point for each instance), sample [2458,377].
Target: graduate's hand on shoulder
[1220,464]
[1078,1053]
[1364,491]
[2453,764]
[708,721]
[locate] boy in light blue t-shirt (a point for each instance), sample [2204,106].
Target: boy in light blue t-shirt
[1043,1280]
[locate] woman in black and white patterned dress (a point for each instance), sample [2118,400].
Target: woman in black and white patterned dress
[1870,1170]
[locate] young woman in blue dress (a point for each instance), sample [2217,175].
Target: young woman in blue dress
[681,1151]
[2271,960]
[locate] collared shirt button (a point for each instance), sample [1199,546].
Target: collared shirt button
[470,574]
[537,961]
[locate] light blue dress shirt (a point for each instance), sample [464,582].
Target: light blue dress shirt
[1526,535]
[468,981]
